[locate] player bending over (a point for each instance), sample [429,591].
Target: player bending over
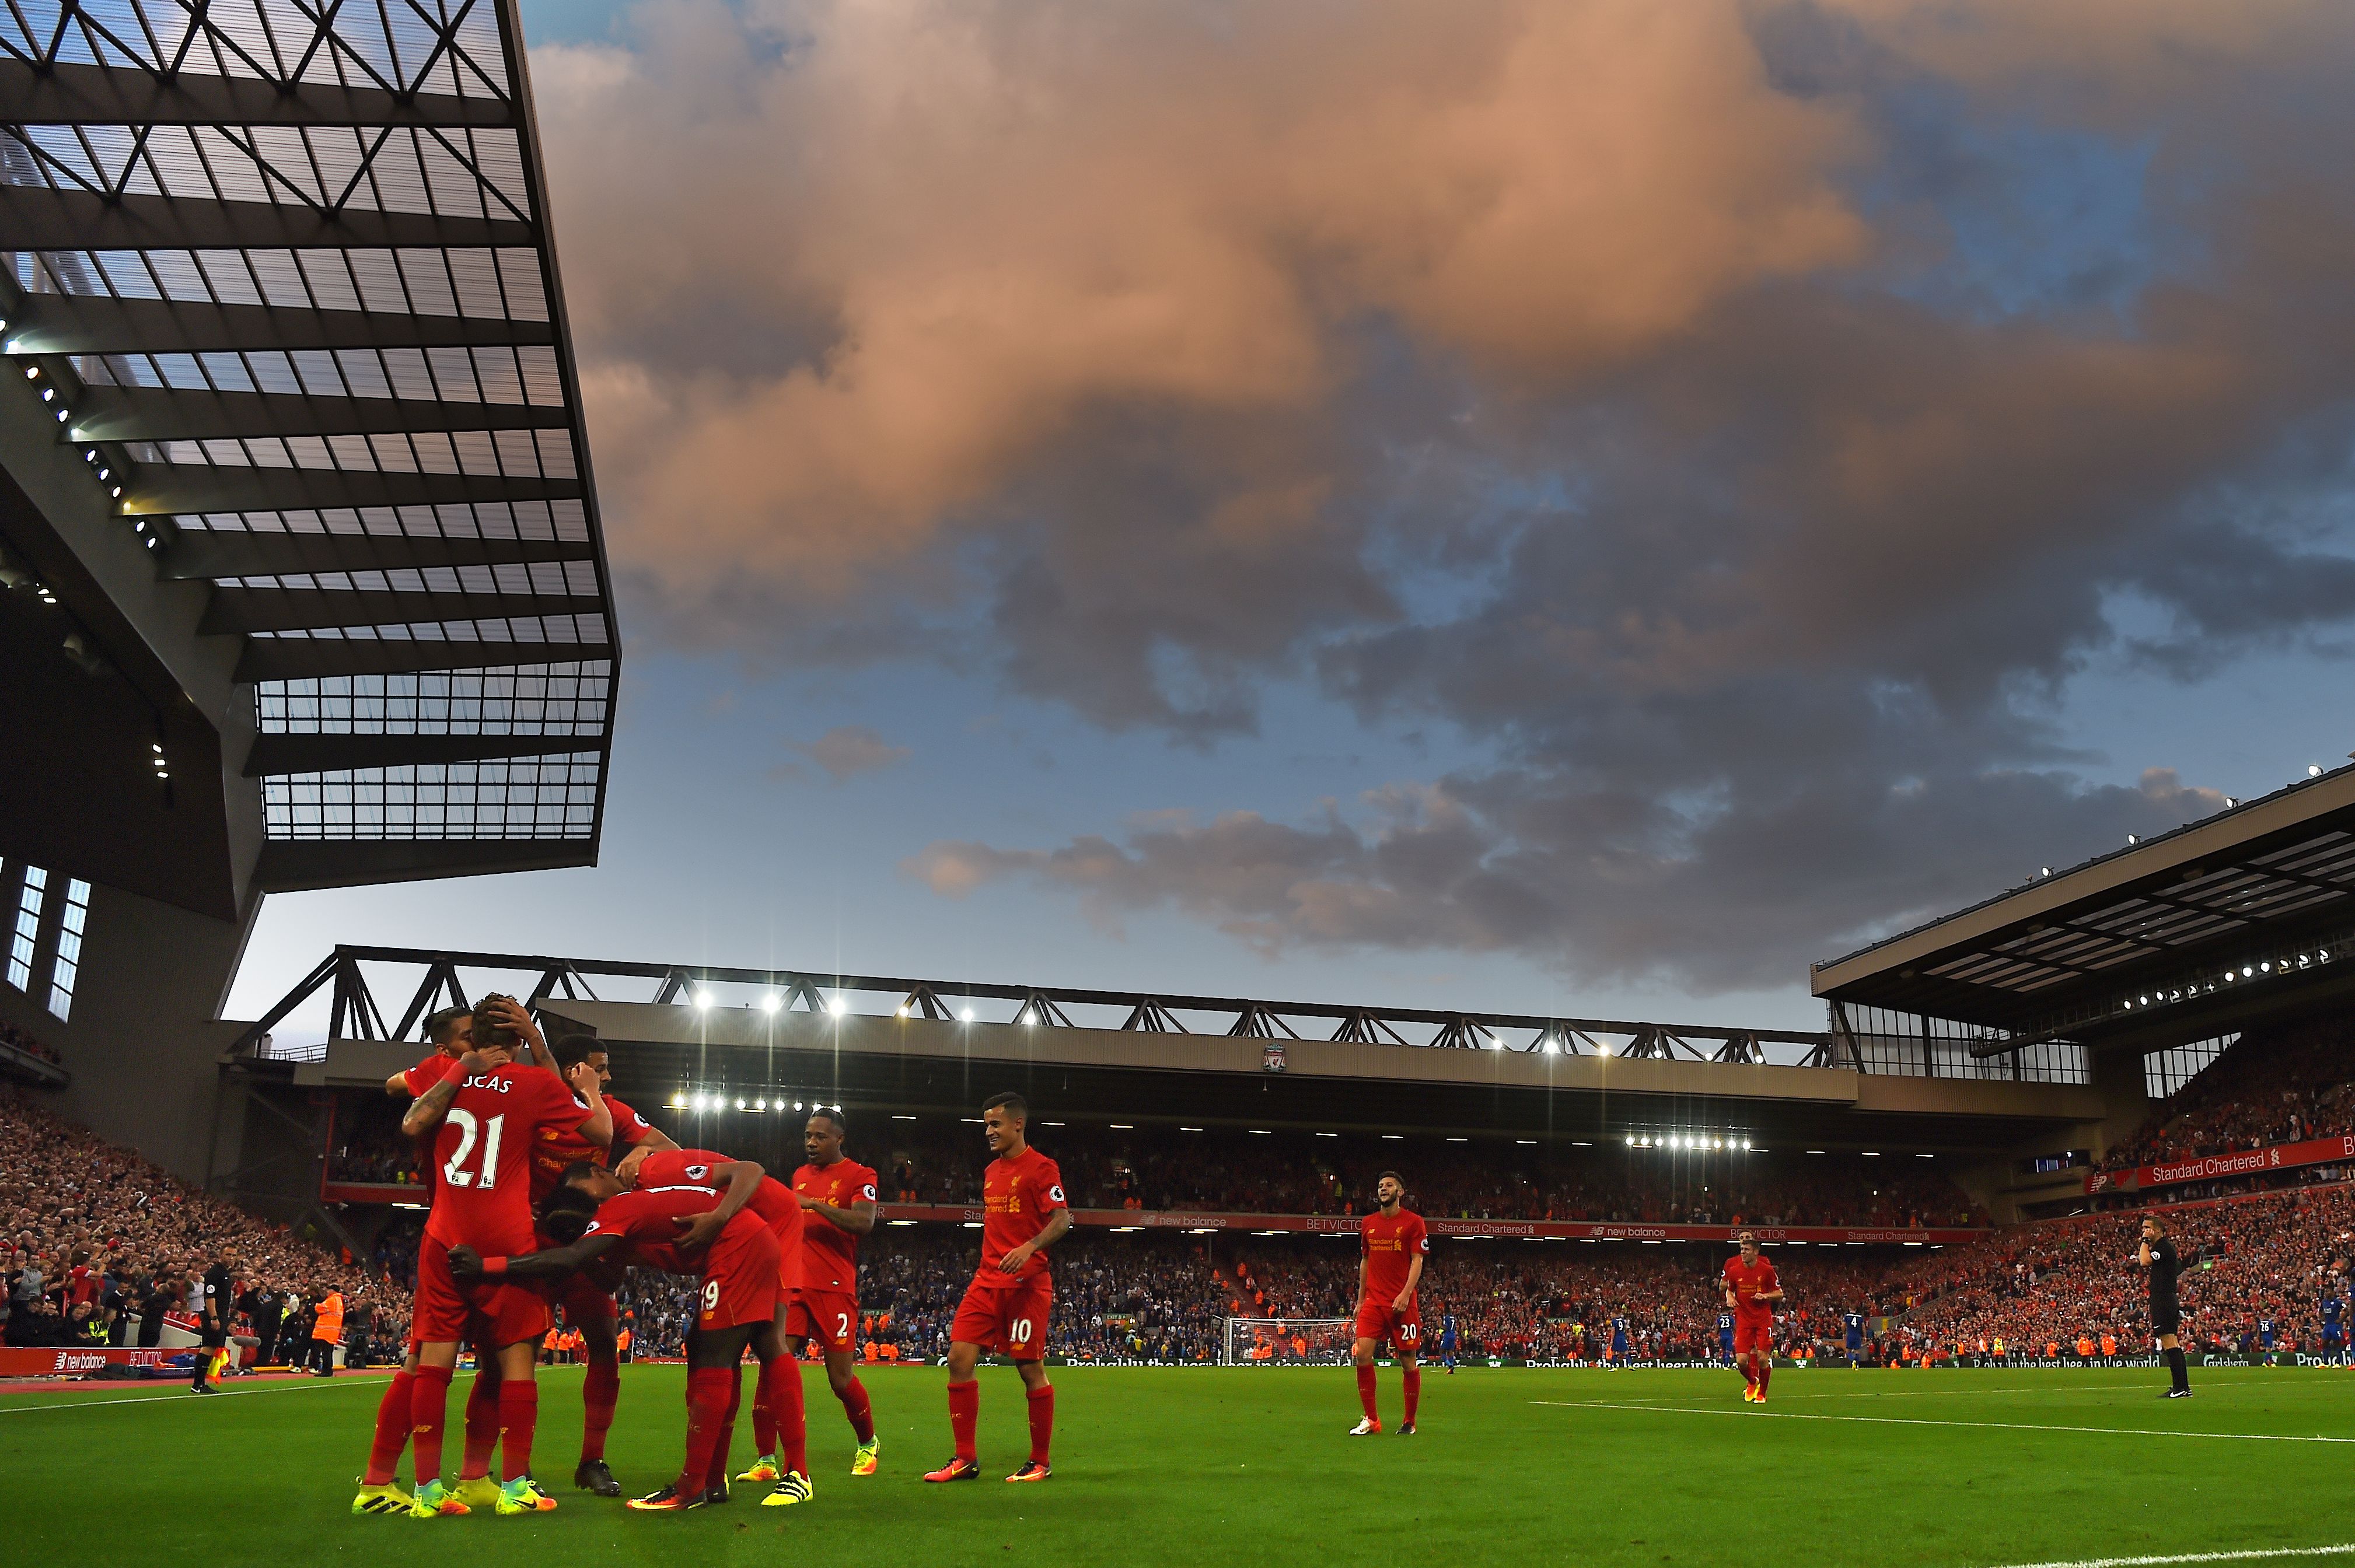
[1751,1290]
[667,1228]
[1006,1308]
[837,1196]
[780,1428]
[1393,1245]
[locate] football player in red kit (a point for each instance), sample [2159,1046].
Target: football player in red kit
[485,1115]
[840,1198]
[668,1228]
[779,1426]
[1393,1243]
[1006,1308]
[1751,1290]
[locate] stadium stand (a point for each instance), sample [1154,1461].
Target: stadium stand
[2276,1086]
[88,1221]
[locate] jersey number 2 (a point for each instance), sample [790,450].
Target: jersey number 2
[455,1172]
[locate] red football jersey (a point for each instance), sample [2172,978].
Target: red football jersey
[482,1157]
[1746,1278]
[829,1253]
[1019,1196]
[557,1147]
[772,1200]
[646,1219]
[1391,1246]
[426,1074]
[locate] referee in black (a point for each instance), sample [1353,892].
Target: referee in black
[214,1306]
[2157,1254]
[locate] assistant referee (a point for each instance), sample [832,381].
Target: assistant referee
[2157,1254]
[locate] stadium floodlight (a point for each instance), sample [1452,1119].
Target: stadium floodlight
[2132,841]
[759,1104]
[2313,770]
[679,1102]
[1602,1047]
[797,1105]
[901,1011]
[965,1015]
[703,999]
[771,1003]
[2246,972]
[739,1105]
[836,1006]
[2043,871]
[1745,1146]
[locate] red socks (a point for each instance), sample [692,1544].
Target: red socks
[708,1392]
[965,1416]
[716,1474]
[1766,1374]
[780,1424]
[518,1413]
[1413,1377]
[482,1424]
[392,1420]
[601,1386]
[1366,1391]
[429,1408]
[862,1414]
[1042,1421]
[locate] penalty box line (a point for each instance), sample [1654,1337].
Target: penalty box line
[1930,1421]
[2251,1555]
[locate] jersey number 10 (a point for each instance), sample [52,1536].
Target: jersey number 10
[469,1130]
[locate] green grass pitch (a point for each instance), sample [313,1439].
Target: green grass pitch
[1246,1467]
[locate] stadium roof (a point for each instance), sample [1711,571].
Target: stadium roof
[2249,911]
[282,272]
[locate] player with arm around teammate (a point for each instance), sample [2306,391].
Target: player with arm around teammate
[1752,1291]
[1393,1245]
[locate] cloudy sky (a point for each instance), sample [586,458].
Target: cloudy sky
[1581,506]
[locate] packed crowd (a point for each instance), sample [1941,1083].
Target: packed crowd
[2247,1261]
[2276,1087]
[97,1236]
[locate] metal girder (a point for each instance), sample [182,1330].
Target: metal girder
[155,414]
[192,487]
[64,94]
[100,323]
[34,218]
[1039,1008]
[198,554]
[1149,1017]
[301,865]
[293,609]
[327,658]
[277,754]
[1259,1023]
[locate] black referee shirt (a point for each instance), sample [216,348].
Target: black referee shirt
[2162,1278]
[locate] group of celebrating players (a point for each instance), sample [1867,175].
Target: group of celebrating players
[544,1188]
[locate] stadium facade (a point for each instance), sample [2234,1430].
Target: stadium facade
[301,583]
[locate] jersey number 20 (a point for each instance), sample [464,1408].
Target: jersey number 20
[455,1172]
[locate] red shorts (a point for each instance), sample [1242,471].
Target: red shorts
[585,1305]
[1753,1334]
[1402,1330]
[1011,1318]
[739,1282]
[830,1317]
[488,1313]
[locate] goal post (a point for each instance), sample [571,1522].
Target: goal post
[1287,1342]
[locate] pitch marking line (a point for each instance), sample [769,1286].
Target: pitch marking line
[1926,1421]
[2200,1557]
[167,1399]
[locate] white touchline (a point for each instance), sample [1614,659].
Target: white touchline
[1926,1421]
[2342,1550]
[160,1398]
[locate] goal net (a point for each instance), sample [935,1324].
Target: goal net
[1288,1342]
